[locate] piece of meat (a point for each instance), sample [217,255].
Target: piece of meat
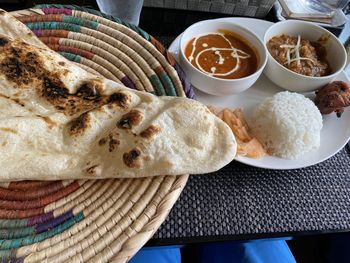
[335,96]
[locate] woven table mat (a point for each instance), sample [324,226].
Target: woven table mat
[92,220]
[241,202]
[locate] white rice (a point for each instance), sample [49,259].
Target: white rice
[288,124]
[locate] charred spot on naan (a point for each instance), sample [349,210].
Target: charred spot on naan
[92,170]
[120,99]
[90,90]
[3,41]
[87,97]
[25,68]
[18,64]
[132,159]
[19,102]
[102,141]
[112,144]
[80,124]
[150,132]
[13,70]
[130,119]
[54,90]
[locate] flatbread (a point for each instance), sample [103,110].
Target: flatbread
[57,121]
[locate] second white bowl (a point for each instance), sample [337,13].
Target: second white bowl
[290,80]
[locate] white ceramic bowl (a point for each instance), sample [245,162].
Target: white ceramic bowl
[290,80]
[213,85]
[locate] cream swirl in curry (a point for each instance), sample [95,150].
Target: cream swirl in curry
[222,54]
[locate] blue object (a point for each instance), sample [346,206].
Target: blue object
[157,255]
[260,251]
[270,251]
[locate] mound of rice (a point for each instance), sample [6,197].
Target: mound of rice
[288,124]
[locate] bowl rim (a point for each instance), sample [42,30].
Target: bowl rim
[263,58]
[293,21]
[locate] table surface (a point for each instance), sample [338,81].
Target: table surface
[241,202]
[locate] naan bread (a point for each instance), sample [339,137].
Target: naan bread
[57,121]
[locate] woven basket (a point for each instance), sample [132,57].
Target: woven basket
[92,220]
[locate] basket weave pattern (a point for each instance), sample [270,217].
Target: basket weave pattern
[92,220]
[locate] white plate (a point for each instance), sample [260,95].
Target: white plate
[335,132]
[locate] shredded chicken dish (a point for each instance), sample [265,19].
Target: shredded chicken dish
[299,55]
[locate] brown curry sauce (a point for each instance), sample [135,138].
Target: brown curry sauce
[220,61]
[312,62]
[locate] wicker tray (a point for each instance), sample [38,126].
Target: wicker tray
[92,220]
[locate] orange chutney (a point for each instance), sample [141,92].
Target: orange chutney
[222,54]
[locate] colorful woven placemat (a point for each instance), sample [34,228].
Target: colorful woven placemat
[92,220]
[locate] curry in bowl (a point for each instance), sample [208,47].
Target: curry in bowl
[222,54]
[299,55]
